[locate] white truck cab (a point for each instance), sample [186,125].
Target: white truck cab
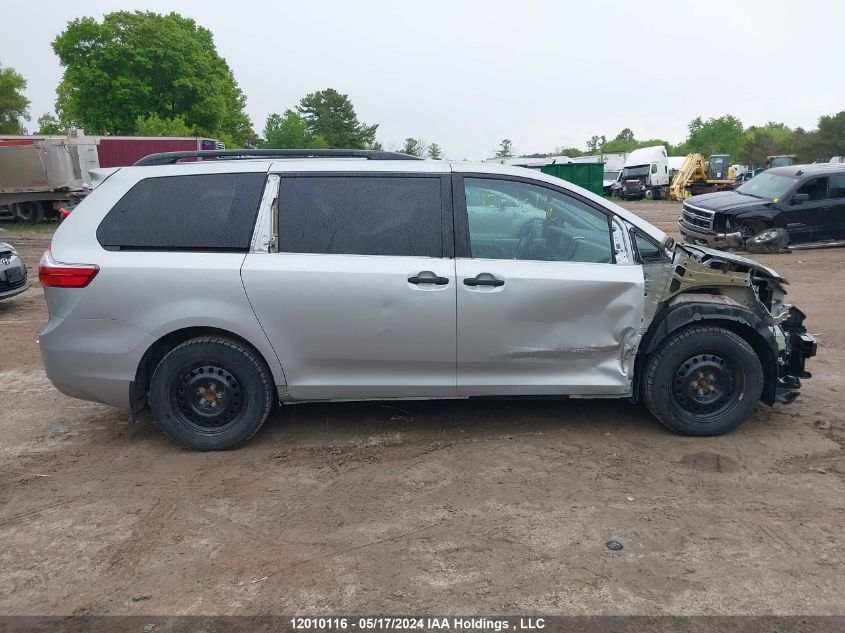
[645,174]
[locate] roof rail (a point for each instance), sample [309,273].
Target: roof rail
[171,158]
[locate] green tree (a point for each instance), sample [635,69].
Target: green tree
[622,142]
[572,152]
[617,145]
[413,147]
[331,115]
[771,139]
[142,64]
[626,136]
[435,152]
[722,135]
[823,143]
[154,125]
[49,124]
[505,149]
[13,105]
[596,144]
[285,131]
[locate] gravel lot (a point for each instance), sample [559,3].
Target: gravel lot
[434,507]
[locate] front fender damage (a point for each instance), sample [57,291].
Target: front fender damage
[743,295]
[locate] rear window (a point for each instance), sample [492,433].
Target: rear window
[361,215]
[197,212]
[837,186]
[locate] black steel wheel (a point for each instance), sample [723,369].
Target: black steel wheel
[211,393]
[208,397]
[705,384]
[702,380]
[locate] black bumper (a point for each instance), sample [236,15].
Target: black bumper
[800,345]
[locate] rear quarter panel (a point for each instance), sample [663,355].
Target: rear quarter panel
[157,292]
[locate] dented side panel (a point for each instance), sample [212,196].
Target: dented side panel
[552,328]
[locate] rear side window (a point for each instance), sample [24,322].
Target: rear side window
[196,212]
[361,215]
[837,186]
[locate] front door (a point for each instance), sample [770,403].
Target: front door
[542,307]
[359,300]
[801,219]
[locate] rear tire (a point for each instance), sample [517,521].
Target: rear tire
[30,212]
[703,381]
[211,394]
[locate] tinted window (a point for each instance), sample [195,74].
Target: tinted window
[816,188]
[837,186]
[517,220]
[199,212]
[361,215]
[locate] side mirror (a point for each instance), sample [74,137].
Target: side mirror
[799,198]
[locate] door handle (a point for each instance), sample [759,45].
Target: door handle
[475,281]
[437,281]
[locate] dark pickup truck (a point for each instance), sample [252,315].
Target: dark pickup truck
[801,206]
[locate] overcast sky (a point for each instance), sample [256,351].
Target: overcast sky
[468,74]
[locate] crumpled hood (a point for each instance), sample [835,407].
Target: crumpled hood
[705,255]
[725,201]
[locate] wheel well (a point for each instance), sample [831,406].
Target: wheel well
[158,350]
[768,360]
[752,226]
[738,325]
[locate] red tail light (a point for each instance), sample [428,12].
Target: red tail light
[59,275]
[63,213]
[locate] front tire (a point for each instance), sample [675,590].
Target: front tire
[211,394]
[769,240]
[703,381]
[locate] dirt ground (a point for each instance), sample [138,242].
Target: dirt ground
[433,507]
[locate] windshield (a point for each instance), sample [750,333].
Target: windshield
[767,186]
[611,175]
[634,172]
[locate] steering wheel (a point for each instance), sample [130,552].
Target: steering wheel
[530,230]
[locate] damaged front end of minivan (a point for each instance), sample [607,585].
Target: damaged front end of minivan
[702,286]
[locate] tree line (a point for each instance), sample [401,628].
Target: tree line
[723,135]
[147,74]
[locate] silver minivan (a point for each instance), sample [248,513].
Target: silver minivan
[209,290]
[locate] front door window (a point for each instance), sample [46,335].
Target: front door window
[520,221]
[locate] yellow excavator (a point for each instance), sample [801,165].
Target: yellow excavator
[699,175]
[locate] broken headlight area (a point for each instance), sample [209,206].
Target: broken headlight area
[797,346]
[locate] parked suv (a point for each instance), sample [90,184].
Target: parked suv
[208,290]
[802,206]
[13,277]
